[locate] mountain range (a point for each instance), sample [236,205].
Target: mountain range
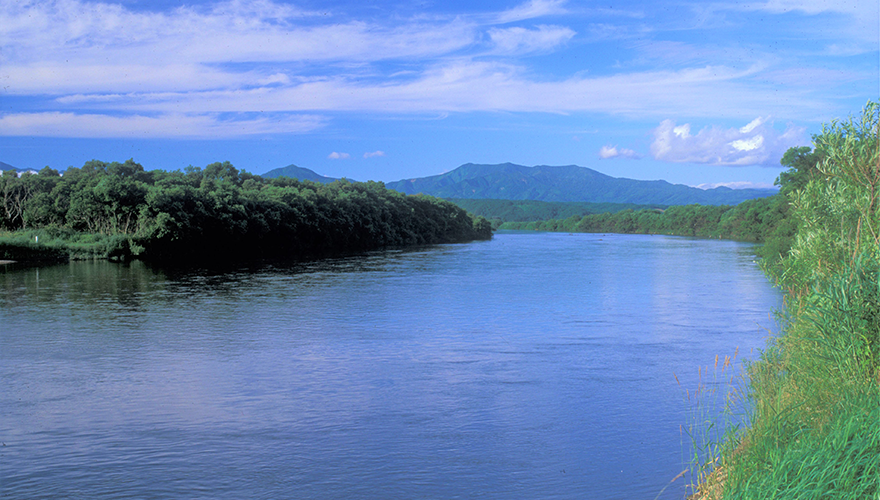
[508,181]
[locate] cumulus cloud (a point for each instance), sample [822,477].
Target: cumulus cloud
[607,152]
[522,40]
[338,156]
[374,154]
[756,143]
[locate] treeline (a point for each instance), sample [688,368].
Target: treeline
[217,211]
[815,392]
[501,211]
[761,220]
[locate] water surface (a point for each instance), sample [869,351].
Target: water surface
[535,365]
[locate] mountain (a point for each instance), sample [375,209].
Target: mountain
[299,173]
[508,181]
[5,166]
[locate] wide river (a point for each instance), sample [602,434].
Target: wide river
[533,366]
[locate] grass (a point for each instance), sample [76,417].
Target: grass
[814,394]
[811,403]
[815,398]
[58,244]
[718,412]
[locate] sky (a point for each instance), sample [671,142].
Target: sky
[693,92]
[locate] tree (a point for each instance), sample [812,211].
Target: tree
[802,166]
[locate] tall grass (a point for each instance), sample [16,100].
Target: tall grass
[48,244]
[814,394]
[717,413]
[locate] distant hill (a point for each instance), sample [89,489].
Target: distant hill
[5,166]
[508,181]
[299,173]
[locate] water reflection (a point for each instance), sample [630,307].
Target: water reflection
[533,365]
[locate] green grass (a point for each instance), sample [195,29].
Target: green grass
[814,394]
[58,244]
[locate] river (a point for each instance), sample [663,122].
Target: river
[534,365]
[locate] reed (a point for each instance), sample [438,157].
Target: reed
[717,414]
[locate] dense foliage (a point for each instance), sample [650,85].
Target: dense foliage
[501,211]
[815,392]
[218,211]
[752,220]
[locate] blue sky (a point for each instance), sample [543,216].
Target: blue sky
[693,92]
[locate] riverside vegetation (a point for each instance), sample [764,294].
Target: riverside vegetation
[814,394]
[761,220]
[119,210]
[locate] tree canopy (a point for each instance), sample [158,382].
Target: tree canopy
[220,210]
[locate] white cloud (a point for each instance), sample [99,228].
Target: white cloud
[462,86]
[459,85]
[58,124]
[856,23]
[56,36]
[607,152]
[374,154]
[754,144]
[753,124]
[338,156]
[63,78]
[531,10]
[522,40]
[101,62]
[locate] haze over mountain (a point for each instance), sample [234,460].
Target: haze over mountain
[508,181]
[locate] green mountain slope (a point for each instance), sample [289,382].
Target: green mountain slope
[508,181]
[298,173]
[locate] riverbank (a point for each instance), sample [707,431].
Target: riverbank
[814,421]
[53,245]
[59,245]
[762,220]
